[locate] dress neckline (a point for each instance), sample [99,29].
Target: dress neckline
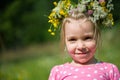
[90,65]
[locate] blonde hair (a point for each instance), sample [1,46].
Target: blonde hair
[76,15]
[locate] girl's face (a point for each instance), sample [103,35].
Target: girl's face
[80,42]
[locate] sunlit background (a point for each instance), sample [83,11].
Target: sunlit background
[28,51]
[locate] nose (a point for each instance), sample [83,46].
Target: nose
[80,45]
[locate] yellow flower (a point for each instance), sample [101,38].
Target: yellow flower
[66,15]
[49,30]
[110,16]
[67,4]
[55,3]
[62,12]
[112,22]
[52,33]
[91,3]
[50,21]
[51,14]
[102,3]
[105,9]
[55,24]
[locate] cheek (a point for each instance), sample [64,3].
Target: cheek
[70,48]
[91,46]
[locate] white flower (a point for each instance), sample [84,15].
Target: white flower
[95,4]
[81,8]
[85,1]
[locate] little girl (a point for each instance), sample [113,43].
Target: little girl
[80,36]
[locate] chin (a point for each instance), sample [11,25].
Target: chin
[81,61]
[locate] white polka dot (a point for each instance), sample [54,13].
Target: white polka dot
[75,76]
[53,79]
[60,72]
[76,70]
[71,68]
[88,75]
[113,66]
[82,72]
[101,76]
[110,71]
[95,71]
[56,70]
[119,78]
[105,67]
[94,79]
[64,72]
[69,73]
[89,68]
[101,69]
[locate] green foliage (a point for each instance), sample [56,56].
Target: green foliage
[116,10]
[23,22]
[31,69]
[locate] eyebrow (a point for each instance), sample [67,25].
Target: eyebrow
[69,37]
[89,33]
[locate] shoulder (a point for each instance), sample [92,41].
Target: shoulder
[111,70]
[56,71]
[59,67]
[108,65]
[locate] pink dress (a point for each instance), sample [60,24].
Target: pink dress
[98,71]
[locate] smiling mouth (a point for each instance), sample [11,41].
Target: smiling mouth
[83,53]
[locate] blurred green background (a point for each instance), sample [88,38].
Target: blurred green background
[28,51]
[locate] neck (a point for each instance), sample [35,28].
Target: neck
[90,62]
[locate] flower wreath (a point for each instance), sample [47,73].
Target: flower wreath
[97,10]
